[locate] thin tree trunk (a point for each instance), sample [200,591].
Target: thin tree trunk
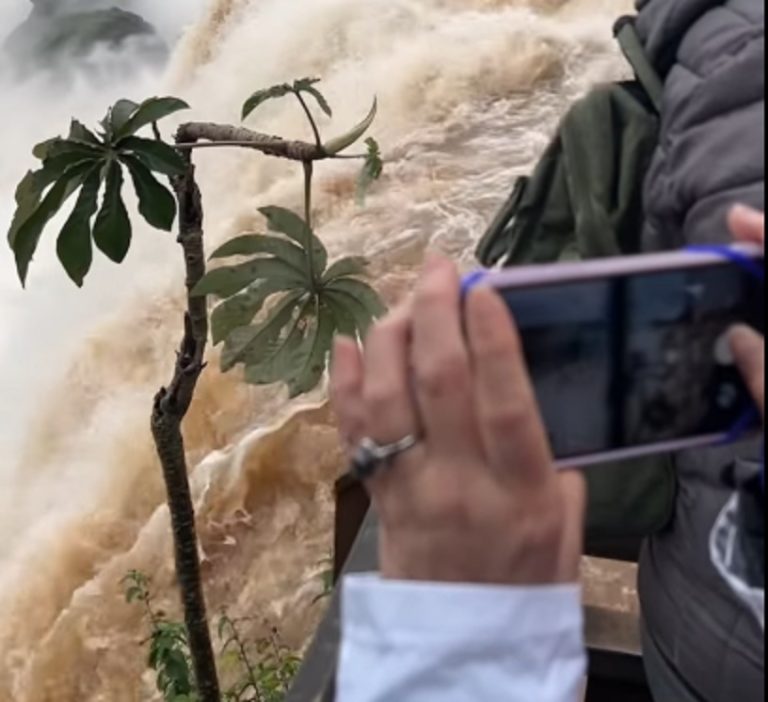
[170,406]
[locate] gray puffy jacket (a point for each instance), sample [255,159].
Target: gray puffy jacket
[711,156]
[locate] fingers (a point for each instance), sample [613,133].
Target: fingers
[513,435]
[441,362]
[347,389]
[389,405]
[749,349]
[747,224]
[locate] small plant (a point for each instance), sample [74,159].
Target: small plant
[168,644]
[93,163]
[287,272]
[262,670]
[278,310]
[267,680]
[277,668]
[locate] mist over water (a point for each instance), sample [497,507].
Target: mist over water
[469,90]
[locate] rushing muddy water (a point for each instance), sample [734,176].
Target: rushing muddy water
[469,91]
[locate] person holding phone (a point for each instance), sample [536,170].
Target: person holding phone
[480,537]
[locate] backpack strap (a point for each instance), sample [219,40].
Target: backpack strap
[626,33]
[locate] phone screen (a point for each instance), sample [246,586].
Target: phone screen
[638,360]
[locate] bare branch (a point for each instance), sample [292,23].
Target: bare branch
[225,135]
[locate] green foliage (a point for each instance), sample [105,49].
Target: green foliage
[373,168]
[259,671]
[93,163]
[169,657]
[265,669]
[334,147]
[169,653]
[136,586]
[305,303]
[297,88]
[280,306]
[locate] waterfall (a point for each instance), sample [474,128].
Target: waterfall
[469,91]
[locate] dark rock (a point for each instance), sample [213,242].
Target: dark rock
[60,34]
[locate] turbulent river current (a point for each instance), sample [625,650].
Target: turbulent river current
[469,91]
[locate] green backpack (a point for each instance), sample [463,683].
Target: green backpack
[585,200]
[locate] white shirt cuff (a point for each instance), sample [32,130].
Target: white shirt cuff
[425,642]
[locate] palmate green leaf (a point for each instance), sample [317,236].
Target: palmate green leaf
[73,246]
[229,280]
[62,153]
[321,100]
[255,244]
[286,222]
[303,85]
[307,85]
[150,111]
[117,117]
[79,136]
[312,356]
[84,147]
[112,229]
[26,236]
[278,360]
[40,151]
[363,319]
[156,155]
[156,203]
[240,310]
[336,146]
[79,132]
[372,169]
[360,302]
[346,268]
[58,155]
[253,341]
[28,195]
[346,321]
[262,96]
[56,167]
[289,223]
[292,344]
[357,290]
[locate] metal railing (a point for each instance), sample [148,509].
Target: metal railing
[355,551]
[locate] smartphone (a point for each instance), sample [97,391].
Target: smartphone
[630,356]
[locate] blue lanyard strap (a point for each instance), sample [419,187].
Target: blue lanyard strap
[472,280]
[739,258]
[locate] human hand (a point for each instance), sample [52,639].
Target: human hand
[748,225]
[478,499]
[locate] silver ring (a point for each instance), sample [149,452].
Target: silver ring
[370,455]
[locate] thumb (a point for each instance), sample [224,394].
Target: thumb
[747,225]
[749,349]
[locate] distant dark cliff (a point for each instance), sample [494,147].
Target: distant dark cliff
[60,34]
